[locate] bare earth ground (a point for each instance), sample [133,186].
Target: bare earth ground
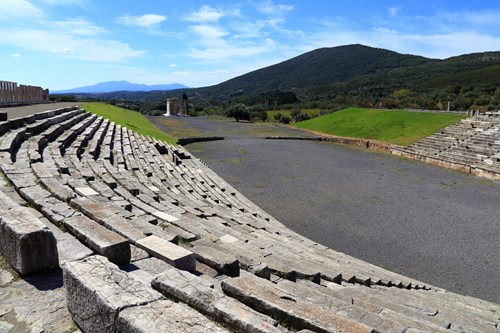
[436,225]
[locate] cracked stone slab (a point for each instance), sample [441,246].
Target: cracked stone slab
[164,316]
[199,294]
[98,290]
[260,295]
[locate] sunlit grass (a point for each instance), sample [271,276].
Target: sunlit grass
[392,126]
[134,121]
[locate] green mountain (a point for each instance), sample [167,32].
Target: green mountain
[351,75]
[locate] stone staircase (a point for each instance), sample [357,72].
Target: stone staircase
[151,240]
[473,143]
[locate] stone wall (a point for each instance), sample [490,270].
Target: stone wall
[11,93]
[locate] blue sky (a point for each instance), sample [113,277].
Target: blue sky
[61,44]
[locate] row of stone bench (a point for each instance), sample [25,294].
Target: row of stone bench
[474,141]
[119,210]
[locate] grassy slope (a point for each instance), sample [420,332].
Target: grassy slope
[399,127]
[130,119]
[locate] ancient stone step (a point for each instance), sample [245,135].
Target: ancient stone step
[102,298]
[260,295]
[98,238]
[108,219]
[28,245]
[199,294]
[172,254]
[223,262]
[337,306]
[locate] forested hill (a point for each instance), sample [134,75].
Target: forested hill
[351,75]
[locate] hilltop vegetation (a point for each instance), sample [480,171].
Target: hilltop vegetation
[129,119]
[393,126]
[344,76]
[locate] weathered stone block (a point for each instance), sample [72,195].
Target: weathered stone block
[27,244]
[260,295]
[99,239]
[199,294]
[162,216]
[174,255]
[223,262]
[97,291]
[164,316]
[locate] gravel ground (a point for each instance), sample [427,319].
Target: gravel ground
[436,225]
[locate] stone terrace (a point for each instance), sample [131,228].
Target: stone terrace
[472,145]
[151,240]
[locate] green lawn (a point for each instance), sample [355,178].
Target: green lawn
[393,126]
[130,119]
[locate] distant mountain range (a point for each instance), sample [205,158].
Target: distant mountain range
[112,86]
[343,76]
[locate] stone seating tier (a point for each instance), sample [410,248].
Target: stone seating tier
[138,222]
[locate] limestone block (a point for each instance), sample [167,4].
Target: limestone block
[85,191]
[162,216]
[172,254]
[164,316]
[223,262]
[199,294]
[97,290]
[99,239]
[260,295]
[27,244]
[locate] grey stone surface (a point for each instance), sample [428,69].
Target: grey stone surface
[164,316]
[199,294]
[99,239]
[172,254]
[262,297]
[221,261]
[97,291]
[27,244]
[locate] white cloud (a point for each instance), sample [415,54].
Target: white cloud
[172,66]
[62,44]
[77,26]
[227,52]
[208,32]
[205,14]
[144,21]
[16,55]
[267,7]
[16,9]
[393,11]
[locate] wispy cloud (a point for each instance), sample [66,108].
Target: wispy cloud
[393,11]
[71,46]
[16,55]
[78,26]
[14,9]
[269,8]
[205,14]
[143,21]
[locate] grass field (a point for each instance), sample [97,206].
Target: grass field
[399,127]
[130,119]
[310,112]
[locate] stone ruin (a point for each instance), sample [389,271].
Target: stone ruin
[12,94]
[177,107]
[151,240]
